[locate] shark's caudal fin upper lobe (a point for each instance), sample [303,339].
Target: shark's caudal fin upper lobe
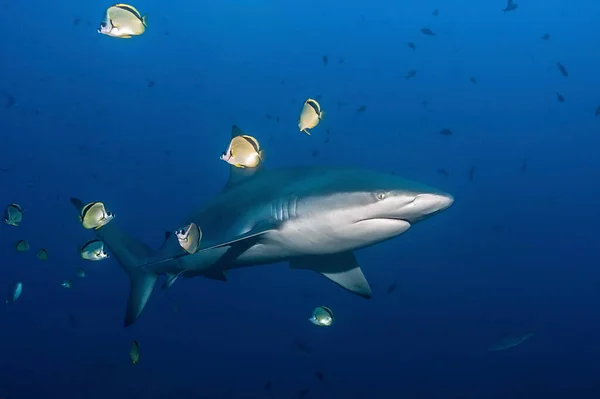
[131,255]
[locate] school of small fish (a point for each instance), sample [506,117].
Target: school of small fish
[243,151]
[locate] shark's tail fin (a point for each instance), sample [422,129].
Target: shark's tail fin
[131,255]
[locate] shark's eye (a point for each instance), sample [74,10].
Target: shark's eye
[380,195]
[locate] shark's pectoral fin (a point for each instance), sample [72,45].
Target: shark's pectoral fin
[238,175]
[220,275]
[342,269]
[255,232]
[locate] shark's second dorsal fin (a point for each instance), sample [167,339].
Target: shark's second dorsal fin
[237,175]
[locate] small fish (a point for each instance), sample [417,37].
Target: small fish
[268,386]
[546,36]
[22,246]
[320,376]
[322,316]
[435,12]
[325,60]
[473,80]
[391,288]
[66,284]
[13,215]
[471,174]
[80,273]
[563,71]
[93,250]
[122,21]
[42,254]
[446,132]
[427,32]
[510,6]
[94,215]
[443,172]
[510,342]
[303,393]
[412,45]
[150,82]
[410,74]
[243,152]
[15,292]
[134,352]
[560,98]
[362,108]
[524,166]
[189,238]
[310,116]
[598,111]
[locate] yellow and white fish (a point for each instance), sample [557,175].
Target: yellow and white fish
[322,316]
[189,238]
[13,215]
[310,116]
[243,152]
[93,250]
[122,21]
[94,215]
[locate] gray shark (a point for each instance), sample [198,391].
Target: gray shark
[312,217]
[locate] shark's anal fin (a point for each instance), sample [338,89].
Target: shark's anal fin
[255,232]
[341,268]
[238,175]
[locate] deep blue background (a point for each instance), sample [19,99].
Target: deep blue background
[515,254]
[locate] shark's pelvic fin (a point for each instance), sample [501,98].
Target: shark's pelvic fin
[342,269]
[220,275]
[131,255]
[238,175]
[170,279]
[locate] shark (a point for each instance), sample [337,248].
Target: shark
[314,218]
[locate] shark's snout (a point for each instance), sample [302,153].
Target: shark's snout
[430,204]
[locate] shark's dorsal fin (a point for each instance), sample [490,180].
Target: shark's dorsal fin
[237,175]
[341,268]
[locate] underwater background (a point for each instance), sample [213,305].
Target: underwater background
[480,109]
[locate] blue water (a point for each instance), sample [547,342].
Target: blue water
[140,125]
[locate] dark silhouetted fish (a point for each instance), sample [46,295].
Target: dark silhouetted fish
[524,166]
[410,74]
[315,153]
[411,45]
[435,12]
[303,393]
[268,386]
[362,108]
[443,172]
[562,69]
[10,99]
[471,173]
[546,36]
[151,82]
[320,376]
[510,6]
[473,80]
[325,60]
[391,288]
[76,21]
[560,98]
[446,132]
[427,32]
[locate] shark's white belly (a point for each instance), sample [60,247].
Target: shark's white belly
[320,236]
